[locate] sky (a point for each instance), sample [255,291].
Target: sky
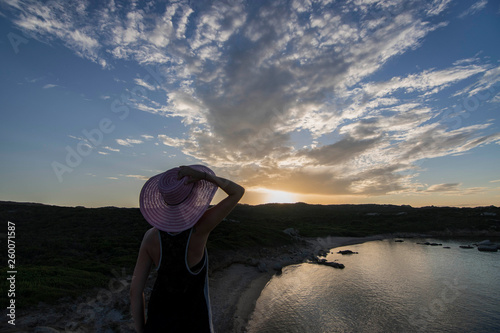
[316,101]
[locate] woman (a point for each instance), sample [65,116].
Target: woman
[176,204]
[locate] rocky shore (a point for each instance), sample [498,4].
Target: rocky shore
[236,281]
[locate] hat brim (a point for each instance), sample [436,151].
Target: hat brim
[180,217]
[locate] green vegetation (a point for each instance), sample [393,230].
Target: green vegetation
[65,251]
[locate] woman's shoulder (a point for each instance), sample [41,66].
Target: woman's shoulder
[150,234]
[151,242]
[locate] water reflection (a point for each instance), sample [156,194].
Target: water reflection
[387,287]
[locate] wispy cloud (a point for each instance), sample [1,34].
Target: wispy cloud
[444,187]
[111,149]
[476,7]
[139,177]
[128,142]
[68,22]
[49,86]
[144,84]
[437,6]
[455,189]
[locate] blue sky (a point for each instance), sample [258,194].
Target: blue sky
[359,101]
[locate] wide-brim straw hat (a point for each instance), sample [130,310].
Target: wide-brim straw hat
[169,204]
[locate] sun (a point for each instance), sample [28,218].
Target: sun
[273,196]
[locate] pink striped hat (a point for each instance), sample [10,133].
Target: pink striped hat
[172,205]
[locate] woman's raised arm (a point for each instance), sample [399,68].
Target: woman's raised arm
[217,213]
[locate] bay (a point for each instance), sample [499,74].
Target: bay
[387,286]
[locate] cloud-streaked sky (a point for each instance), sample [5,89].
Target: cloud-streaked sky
[356,101]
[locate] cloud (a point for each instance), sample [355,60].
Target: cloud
[285,90]
[172,142]
[487,86]
[264,98]
[340,152]
[444,187]
[427,82]
[128,142]
[144,84]
[62,21]
[139,177]
[455,189]
[123,143]
[437,7]
[48,86]
[111,149]
[476,7]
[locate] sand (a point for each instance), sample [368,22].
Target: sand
[233,293]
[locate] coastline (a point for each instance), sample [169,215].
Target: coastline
[236,280]
[235,290]
[237,276]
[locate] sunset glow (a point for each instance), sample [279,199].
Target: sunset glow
[280,197]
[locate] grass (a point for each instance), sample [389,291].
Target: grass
[65,251]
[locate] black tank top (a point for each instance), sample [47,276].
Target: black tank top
[179,301]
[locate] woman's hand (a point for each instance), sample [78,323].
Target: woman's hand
[194,175]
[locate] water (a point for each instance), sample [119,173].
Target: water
[386,287]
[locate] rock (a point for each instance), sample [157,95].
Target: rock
[330,263]
[323,253]
[277,267]
[347,252]
[262,267]
[292,232]
[488,248]
[431,244]
[334,265]
[399,241]
[466,246]
[252,262]
[114,316]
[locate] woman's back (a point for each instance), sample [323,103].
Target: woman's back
[179,301]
